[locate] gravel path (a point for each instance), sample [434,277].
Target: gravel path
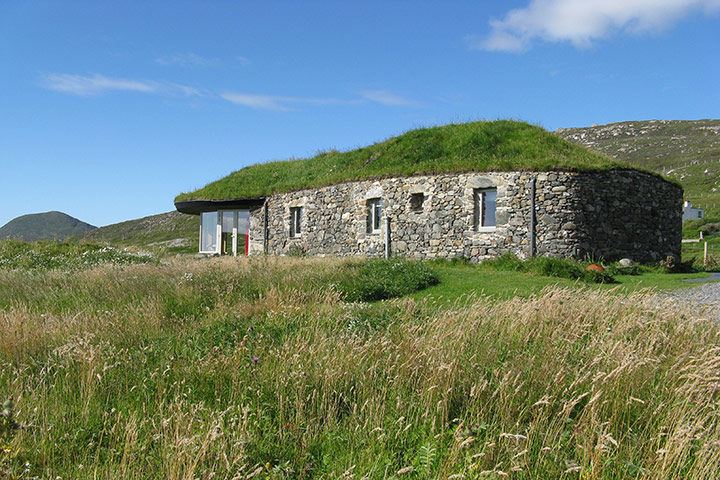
[705,297]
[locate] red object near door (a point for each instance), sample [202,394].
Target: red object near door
[247,238]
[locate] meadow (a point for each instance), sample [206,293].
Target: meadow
[272,368]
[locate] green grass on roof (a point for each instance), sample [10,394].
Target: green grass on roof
[479,146]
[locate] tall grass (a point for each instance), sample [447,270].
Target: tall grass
[258,369]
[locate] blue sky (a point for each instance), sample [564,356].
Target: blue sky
[110,109]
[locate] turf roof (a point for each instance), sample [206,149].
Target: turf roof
[501,145]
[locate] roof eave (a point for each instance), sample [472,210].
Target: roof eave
[196,207]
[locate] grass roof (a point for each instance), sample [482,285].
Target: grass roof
[478,146]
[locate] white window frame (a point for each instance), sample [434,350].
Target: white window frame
[479,221]
[233,231]
[296,214]
[219,231]
[374,215]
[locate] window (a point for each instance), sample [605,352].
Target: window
[229,233]
[224,231]
[295,221]
[208,232]
[485,201]
[374,210]
[416,202]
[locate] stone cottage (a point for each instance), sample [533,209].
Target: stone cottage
[611,213]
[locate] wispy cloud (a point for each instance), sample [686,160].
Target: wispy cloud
[285,103]
[243,61]
[96,84]
[280,103]
[262,102]
[385,97]
[583,21]
[186,60]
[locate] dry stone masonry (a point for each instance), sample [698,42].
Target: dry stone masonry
[612,214]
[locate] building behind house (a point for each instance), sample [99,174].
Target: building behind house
[691,213]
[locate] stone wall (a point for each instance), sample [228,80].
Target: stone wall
[624,213]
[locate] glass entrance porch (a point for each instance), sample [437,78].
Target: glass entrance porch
[225,232]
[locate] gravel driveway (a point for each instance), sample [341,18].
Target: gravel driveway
[705,297]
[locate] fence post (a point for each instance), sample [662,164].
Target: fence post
[705,254]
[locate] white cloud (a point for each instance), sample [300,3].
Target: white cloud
[243,61]
[184,90]
[387,98]
[262,102]
[97,84]
[583,21]
[283,103]
[186,60]
[94,84]
[280,103]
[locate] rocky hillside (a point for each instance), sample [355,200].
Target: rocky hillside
[688,151]
[174,230]
[44,226]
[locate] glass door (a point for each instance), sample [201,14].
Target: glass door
[243,230]
[228,238]
[209,232]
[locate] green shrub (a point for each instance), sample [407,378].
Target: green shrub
[550,267]
[593,276]
[507,263]
[617,269]
[379,279]
[556,267]
[675,265]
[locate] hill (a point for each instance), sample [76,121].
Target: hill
[478,146]
[175,230]
[44,226]
[688,151]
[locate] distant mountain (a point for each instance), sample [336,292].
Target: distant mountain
[172,229]
[44,226]
[687,150]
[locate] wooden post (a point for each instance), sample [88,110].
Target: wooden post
[705,254]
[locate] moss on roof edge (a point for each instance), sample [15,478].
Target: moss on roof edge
[500,146]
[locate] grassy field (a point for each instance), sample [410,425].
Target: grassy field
[475,281]
[259,368]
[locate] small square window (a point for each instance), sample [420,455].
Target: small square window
[416,202]
[485,202]
[295,221]
[374,212]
